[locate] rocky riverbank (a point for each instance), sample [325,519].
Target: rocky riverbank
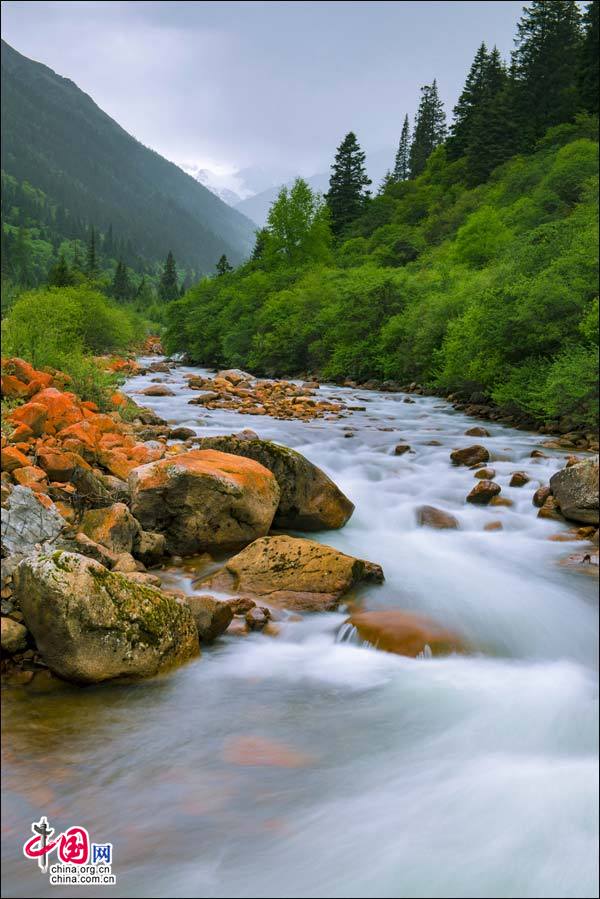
[96,504]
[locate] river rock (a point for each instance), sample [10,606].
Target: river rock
[402,448]
[541,495]
[405,633]
[26,522]
[157,390]
[234,375]
[181,433]
[13,637]
[483,492]
[485,474]
[113,527]
[470,455]
[294,573]
[212,616]
[576,491]
[204,498]
[519,479]
[429,516]
[477,431]
[309,501]
[550,509]
[92,625]
[257,618]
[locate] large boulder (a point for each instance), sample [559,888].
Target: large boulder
[113,527]
[575,489]
[26,521]
[483,492]
[309,501]
[294,573]
[92,625]
[204,498]
[405,633]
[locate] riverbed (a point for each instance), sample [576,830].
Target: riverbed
[307,765]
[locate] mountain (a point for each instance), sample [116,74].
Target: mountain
[214,182]
[56,138]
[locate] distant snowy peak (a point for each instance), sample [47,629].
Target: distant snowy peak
[214,183]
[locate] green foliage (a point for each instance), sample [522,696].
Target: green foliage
[297,227]
[489,289]
[63,327]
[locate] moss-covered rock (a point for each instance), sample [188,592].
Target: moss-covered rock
[310,501]
[92,625]
[294,573]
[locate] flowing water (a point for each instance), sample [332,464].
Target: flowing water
[306,765]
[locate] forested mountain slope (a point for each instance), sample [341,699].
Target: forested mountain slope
[56,138]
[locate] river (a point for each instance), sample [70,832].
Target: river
[382,776]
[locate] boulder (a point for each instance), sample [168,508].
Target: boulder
[429,516]
[477,431]
[181,433]
[203,499]
[14,636]
[92,625]
[113,527]
[309,500]
[550,509]
[402,448]
[405,633]
[470,455]
[212,616]
[519,479]
[575,489]
[294,573]
[483,492]
[257,618]
[26,522]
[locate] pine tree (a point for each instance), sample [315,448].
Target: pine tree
[588,63]
[144,295]
[492,135]
[386,181]
[347,195]
[91,260]
[430,128]
[545,67]
[402,164]
[468,105]
[168,289]
[262,236]
[223,266]
[121,288]
[109,243]
[60,274]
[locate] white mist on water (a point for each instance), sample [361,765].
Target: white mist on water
[456,777]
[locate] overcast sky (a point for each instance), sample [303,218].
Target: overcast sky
[225,85]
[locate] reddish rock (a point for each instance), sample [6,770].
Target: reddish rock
[405,633]
[550,509]
[13,458]
[33,415]
[60,466]
[64,409]
[483,492]
[30,476]
[493,526]
[519,479]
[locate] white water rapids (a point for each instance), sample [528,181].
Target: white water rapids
[457,777]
